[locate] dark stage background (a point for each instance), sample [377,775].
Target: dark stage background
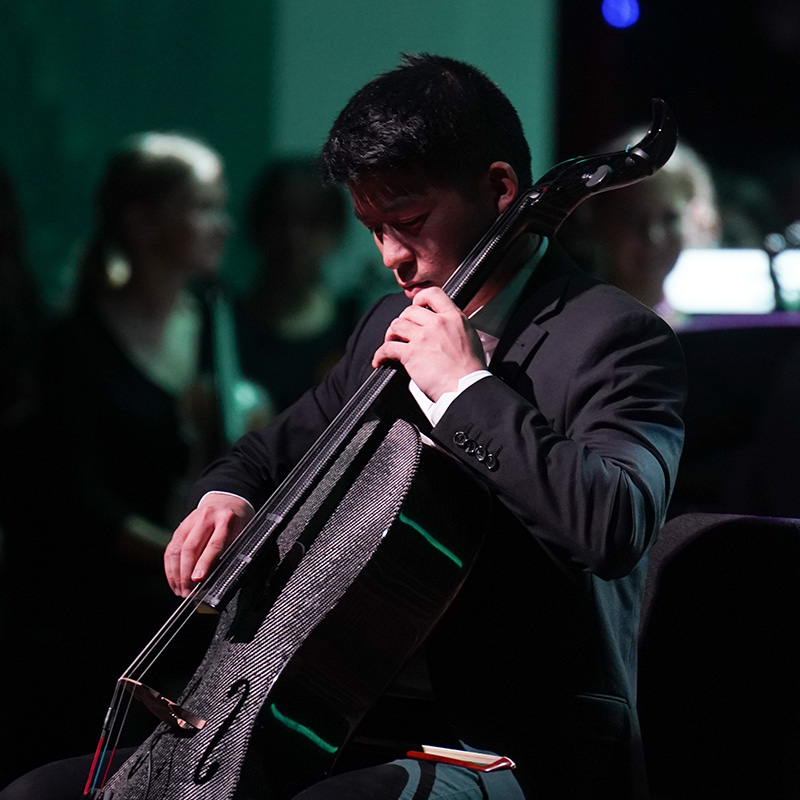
[728,68]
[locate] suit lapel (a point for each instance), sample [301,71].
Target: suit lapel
[542,297]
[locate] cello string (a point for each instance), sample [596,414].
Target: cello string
[110,758]
[107,735]
[115,719]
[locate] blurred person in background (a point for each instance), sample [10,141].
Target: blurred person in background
[130,371]
[291,326]
[129,414]
[632,237]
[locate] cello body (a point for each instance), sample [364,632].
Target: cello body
[282,689]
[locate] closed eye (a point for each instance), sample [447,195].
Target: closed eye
[410,224]
[413,222]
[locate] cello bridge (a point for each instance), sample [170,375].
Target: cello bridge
[177,717]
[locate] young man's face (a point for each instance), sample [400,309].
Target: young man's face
[422,230]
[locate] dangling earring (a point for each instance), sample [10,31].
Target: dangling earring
[117,269]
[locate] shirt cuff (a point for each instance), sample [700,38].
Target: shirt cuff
[229,494]
[435,411]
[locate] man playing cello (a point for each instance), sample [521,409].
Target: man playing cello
[560,393]
[578,413]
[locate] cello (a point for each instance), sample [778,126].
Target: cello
[340,576]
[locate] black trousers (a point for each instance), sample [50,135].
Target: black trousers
[404,779]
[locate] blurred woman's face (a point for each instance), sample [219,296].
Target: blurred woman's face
[643,233]
[190,227]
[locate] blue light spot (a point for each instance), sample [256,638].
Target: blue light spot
[620,13]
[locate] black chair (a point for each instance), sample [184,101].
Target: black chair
[719,680]
[734,365]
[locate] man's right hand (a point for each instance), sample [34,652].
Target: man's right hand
[201,538]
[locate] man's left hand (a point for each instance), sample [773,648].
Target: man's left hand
[434,341]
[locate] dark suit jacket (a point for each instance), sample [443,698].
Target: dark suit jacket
[537,656]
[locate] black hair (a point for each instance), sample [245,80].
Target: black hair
[433,115]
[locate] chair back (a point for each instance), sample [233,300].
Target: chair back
[719,677]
